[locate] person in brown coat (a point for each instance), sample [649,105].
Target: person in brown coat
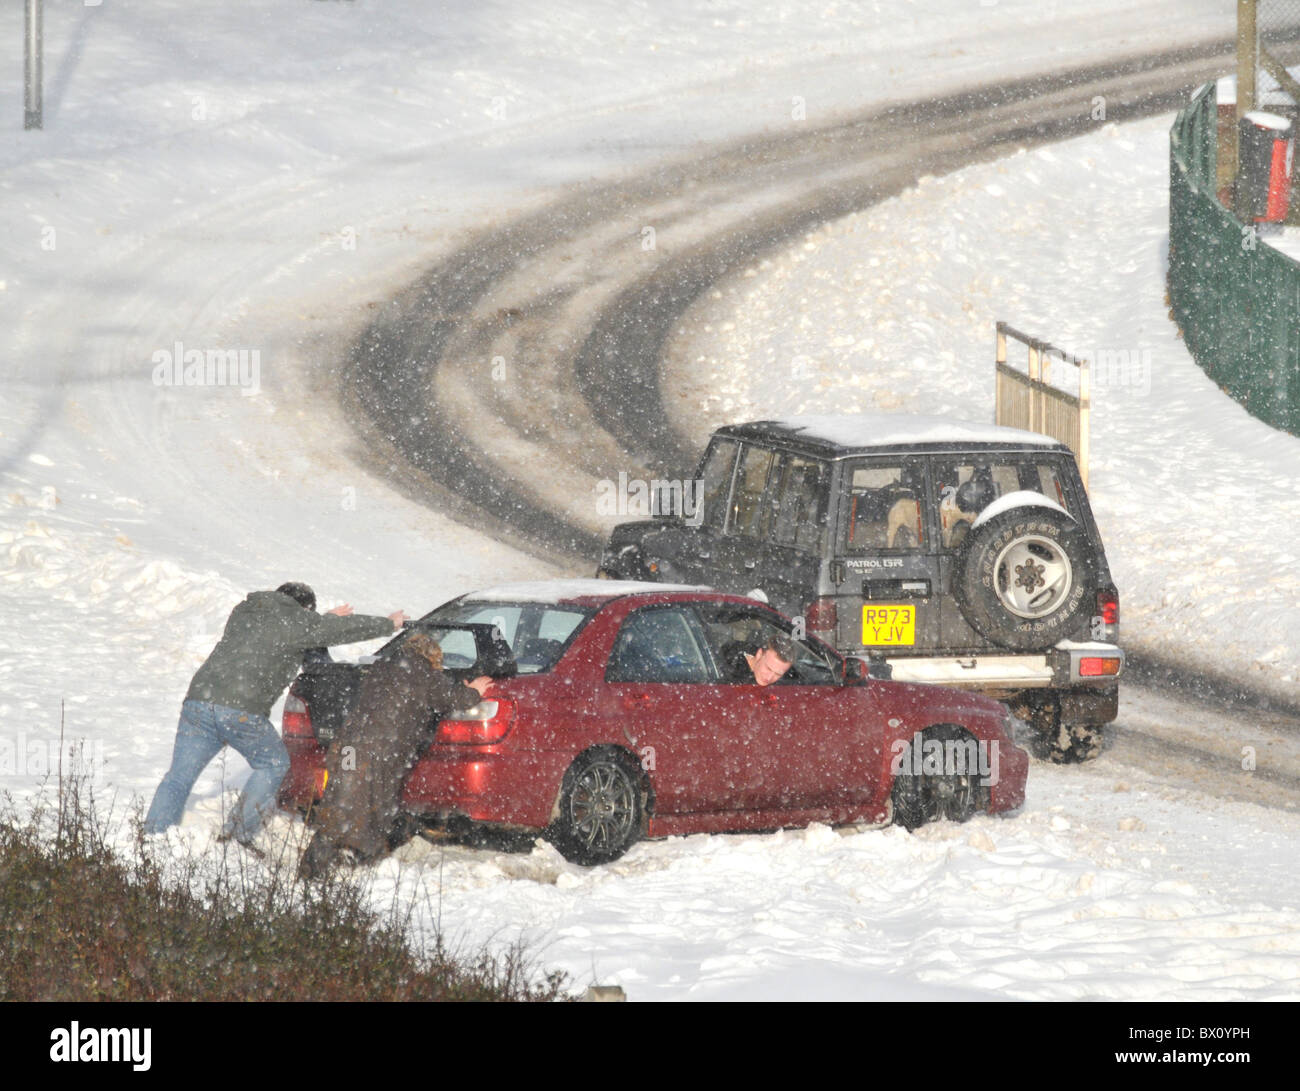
[402,699]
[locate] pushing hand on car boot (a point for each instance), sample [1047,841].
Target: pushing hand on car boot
[402,699]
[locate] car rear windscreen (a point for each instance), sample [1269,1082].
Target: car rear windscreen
[538,633]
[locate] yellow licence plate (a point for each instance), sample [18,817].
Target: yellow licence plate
[884,624]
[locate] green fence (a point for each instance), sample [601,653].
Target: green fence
[1236,300]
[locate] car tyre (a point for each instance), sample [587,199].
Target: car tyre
[946,795]
[601,808]
[403,827]
[1076,743]
[1061,743]
[1023,578]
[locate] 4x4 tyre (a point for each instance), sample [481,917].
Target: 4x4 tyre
[627,564]
[1023,577]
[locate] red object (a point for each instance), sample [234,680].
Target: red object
[1098,666]
[820,619]
[478,730]
[296,720]
[1265,166]
[1279,182]
[717,756]
[1108,611]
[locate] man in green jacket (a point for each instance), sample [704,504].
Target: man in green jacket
[230,698]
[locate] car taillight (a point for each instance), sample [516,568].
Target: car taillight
[297,720]
[1098,666]
[1108,613]
[487,722]
[820,618]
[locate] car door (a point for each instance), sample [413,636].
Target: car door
[801,738]
[738,551]
[664,697]
[793,531]
[691,543]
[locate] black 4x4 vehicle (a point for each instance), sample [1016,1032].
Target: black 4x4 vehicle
[956,553]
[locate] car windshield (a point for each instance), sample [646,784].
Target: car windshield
[538,632]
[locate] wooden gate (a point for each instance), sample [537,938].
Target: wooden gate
[1027,399]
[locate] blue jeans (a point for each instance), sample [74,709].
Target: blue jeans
[203,730]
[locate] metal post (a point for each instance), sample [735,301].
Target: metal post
[1035,396]
[1085,419]
[32,105]
[1247,61]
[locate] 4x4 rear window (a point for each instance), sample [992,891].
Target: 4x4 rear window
[883,506]
[966,487]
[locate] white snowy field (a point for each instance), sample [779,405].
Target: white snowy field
[258,175]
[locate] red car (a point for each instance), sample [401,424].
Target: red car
[622,710]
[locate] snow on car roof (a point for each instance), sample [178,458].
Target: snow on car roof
[557,591]
[890,429]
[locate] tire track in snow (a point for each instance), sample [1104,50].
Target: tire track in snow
[525,367]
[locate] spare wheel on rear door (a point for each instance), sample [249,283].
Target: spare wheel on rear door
[1027,574]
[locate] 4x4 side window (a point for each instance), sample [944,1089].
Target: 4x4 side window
[747,507]
[715,482]
[797,495]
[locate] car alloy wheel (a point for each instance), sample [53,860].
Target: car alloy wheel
[601,809]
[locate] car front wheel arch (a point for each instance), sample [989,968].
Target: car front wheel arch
[601,808]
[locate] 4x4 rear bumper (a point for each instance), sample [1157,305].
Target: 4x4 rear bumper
[1068,664]
[1083,677]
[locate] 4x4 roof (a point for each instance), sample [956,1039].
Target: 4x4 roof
[840,436]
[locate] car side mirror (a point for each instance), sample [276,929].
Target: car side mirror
[878,667]
[854,671]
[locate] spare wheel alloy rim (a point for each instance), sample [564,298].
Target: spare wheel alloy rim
[1033,576]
